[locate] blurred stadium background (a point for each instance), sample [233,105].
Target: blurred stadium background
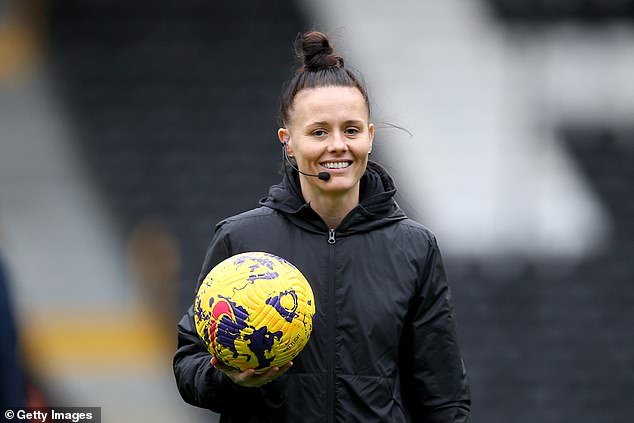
[128,129]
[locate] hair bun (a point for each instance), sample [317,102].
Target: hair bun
[317,53]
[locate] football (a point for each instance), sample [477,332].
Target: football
[254,310]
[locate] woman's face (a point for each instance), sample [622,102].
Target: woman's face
[329,131]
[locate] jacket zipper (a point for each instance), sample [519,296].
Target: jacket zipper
[330,376]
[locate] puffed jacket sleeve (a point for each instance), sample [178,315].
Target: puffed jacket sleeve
[198,382]
[435,385]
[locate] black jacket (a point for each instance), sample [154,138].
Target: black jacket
[383,347]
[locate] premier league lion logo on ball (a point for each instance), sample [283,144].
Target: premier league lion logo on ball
[254,311]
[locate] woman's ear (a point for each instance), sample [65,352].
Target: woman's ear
[371,133]
[284,136]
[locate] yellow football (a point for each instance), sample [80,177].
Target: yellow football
[254,310]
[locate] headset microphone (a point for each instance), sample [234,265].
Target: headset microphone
[324,176]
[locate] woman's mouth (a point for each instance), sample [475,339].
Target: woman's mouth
[336,165]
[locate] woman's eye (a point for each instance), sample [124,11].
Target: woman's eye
[352,131]
[319,133]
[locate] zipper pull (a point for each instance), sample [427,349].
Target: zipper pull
[331,236]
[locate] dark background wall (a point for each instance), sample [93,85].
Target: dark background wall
[177,107]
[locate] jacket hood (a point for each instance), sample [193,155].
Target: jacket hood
[376,206]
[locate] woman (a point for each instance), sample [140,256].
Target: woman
[383,346]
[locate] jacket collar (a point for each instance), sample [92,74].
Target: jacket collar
[376,206]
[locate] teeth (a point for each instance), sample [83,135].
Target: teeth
[336,165]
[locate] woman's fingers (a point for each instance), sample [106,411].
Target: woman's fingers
[250,377]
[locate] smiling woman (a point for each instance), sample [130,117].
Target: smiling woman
[384,344]
[328,130]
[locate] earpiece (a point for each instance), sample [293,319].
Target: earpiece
[285,144]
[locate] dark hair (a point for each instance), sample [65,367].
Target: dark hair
[320,67]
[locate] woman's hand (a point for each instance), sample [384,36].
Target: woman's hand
[250,378]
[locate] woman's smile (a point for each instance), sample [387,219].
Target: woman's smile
[336,164]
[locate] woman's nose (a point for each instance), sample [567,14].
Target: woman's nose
[337,142]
